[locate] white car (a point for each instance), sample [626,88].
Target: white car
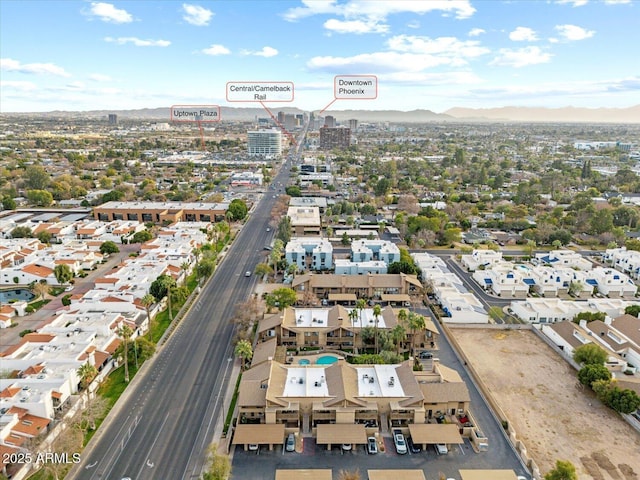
[441,449]
[290,446]
[372,445]
[253,447]
[347,447]
[399,442]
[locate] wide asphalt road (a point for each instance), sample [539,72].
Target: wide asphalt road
[164,422]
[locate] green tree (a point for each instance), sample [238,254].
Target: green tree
[345,240]
[562,471]
[590,354]
[589,316]
[87,372]
[21,232]
[591,373]
[244,351]
[8,203]
[382,187]
[416,323]
[624,400]
[160,286]
[402,267]
[398,334]
[108,247]
[601,221]
[146,302]
[238,209]
[40,198]
[377,311]
[281,297]
[284,229]
[141,236]
[44,237]
[633,310]
[206,267]
[36,177]
[293,191]
[63,273]
[263,269]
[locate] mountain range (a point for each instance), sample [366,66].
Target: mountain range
[458,114]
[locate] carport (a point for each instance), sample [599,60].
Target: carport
[339,433]
[343,297]
[488,475]
[262,434]
[395,298]
[432,433]
[396,474]
[311,474]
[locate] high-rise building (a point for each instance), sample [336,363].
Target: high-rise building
[329,121]
[267,143]
[113,119]
[353,124]
[281,117]
[336,137]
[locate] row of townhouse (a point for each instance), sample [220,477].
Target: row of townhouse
[338,328]
[566,258]
[458,304]
[553,310]
[619,337]
[349,288]
[315,398]
[506,279]
[627,261]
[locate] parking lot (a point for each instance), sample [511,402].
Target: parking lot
[261,464]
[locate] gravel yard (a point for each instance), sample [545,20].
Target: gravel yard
[554,417]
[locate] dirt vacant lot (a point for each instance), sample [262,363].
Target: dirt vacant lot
[552,415]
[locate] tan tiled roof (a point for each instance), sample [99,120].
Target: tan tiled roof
[444,392]
[264,351]
[629,326]
[269,322]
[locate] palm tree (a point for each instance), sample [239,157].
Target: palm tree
[87,372]
[397,335]
[185,267]
[376,314]
[361,304]
[147,301]
[244,351]
[353,315]
[125,333]
[416,323]
[402,316]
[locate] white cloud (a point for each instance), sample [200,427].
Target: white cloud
[413,24]
[99,77]
[109,13]
[573,32]
[381,62]
[265,52]
[378,10]
[216,49]
[521,57]
[10,65]
[18,85]
[616,2]
[575,3]
[475,32]
[196,15]
[523,34]
[445,46]
[138,42]
[355,26]
[575,89]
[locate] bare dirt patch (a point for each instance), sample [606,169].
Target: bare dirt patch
[550,412]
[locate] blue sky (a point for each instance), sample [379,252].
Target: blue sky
[431,54]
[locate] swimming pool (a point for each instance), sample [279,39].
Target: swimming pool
[303,361]
[326,360]
[16,294]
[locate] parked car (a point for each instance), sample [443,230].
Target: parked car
[253,447]
[372,445]
[347,447]
[399,442]
[441,449]
[413,448]
[425,355]
[290,445]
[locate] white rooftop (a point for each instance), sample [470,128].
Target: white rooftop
[379,381]
[309,381]
[311,317]
[366,318]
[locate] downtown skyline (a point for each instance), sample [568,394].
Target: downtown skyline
[435,55]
